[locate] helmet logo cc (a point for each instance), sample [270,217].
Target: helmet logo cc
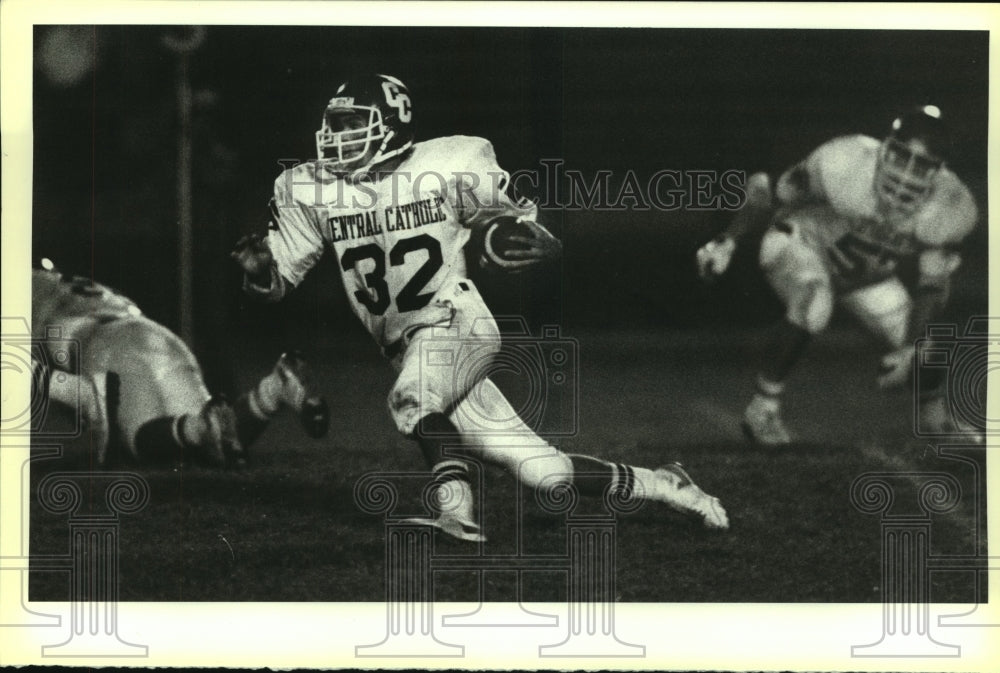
[399,100]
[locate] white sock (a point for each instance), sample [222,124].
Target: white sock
[455,498]
[646,483]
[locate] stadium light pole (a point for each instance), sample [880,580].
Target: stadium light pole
[183,47]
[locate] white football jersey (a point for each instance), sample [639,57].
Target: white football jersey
[841,174]
[398,236]
[73,304]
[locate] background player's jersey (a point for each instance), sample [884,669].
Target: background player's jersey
[861,244]
[398,236]
[73,304]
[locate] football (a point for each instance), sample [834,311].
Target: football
[497,242]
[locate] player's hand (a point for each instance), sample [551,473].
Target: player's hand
[714,257]
[895,368]
[539,247]
[254,256]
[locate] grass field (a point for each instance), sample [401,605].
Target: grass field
[288,529]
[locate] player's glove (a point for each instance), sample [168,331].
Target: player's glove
[895,368]
[254,256]
[714,257]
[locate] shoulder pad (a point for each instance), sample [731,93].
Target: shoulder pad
[456,153]
[951,213]
[845,152]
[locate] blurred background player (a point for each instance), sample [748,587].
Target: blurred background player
[398,215]
[839,224]
[139,387]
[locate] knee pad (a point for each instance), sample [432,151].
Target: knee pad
[812,306]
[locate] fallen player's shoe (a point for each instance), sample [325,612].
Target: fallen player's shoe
[676,488]
[220,443]
[298,392]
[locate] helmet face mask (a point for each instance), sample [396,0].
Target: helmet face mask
[909,161]
[905,175]
[349,134]
[366,123]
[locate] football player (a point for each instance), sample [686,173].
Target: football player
[839,223]
[398,214]
[138,386]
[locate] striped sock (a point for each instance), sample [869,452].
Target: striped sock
[265,398]
[594,477]
[453,492]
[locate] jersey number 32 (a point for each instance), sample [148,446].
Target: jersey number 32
[409,297]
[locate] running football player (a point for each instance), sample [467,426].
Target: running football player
[140,389]
[398,214]
[839,223]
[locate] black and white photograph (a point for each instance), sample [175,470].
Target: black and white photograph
[597,327]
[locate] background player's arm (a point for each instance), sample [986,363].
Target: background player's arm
[930,296]
[714,257]
[936,265]
[797,186]
[953,218]
[804,182]
[950,218]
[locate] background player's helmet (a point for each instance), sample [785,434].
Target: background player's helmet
[371,112]
[910,158]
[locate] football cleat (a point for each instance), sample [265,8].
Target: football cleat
[452,499]
[297,392]
[220,442]
[762,424]
[676,488]
[455,526]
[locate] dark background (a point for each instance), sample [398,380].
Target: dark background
[666,363]
[105,186]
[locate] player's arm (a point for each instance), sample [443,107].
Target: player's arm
[797,186]
[930,296]
[275,265]
[486,192]
[804,183]
[714,257]
[953,217]
[261,278]
[535,245]
[935,268]
[956,217]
